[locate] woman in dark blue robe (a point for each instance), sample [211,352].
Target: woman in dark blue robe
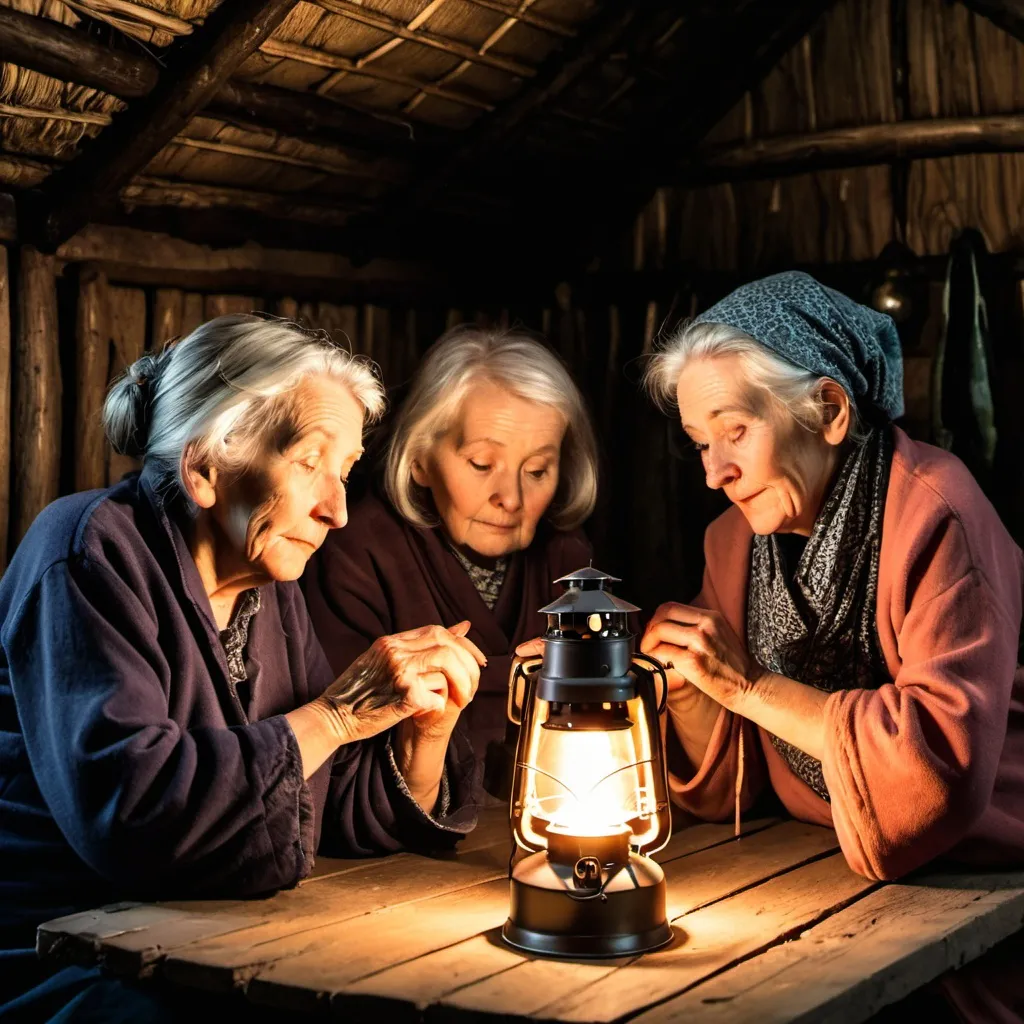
[169,725]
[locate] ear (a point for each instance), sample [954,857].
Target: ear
[200,479]
[837,412]
[420,476]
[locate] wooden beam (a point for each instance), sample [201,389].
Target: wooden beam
[37,393]
[1007,14]
[335,120]
[527,16]
[147,190]
[70,55]
[424,37]
[194,73]
[852,147]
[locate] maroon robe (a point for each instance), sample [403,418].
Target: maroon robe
[381,575]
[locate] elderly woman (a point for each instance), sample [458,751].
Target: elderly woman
[855,643]
[490,471]
[170,726]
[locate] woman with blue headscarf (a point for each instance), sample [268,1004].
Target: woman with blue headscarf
[855,645]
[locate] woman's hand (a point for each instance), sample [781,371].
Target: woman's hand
[427,675]
[700,649]
[531,648]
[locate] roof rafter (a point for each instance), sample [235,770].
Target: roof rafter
[195,71]
[413,32]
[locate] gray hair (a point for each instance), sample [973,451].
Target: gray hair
[790,387]
[215,394]
[512,359]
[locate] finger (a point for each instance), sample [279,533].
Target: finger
[461,628]
[531,648]
[467,645]
[668,610]
[439,637]
[428,693]
[461,678]
[688,637]
[678,664]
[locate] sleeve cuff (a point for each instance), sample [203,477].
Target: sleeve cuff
[441,808]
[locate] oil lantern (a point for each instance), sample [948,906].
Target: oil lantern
[589,791]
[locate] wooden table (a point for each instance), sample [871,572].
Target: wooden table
[770,927]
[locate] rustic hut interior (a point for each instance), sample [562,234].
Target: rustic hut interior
[595,170]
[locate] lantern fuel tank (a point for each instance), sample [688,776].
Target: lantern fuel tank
[589,793]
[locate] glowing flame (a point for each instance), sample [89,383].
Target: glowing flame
[587,783]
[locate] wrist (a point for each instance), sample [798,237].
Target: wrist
[419,754]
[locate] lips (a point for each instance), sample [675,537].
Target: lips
[749,497]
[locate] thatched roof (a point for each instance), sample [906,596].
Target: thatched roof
[382,126]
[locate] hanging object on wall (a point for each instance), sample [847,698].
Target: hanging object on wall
[963,413]
[899,290]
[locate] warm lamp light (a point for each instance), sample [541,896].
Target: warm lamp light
[589,793]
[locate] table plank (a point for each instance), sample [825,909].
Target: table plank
[492,829]
[703,879]
[131,938]
[400,992]
[309,967]
[875,952]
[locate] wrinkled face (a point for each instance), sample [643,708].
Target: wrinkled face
[494,473]
[775,471]
[278,512]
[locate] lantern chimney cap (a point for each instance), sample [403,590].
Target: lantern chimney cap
[588,574]
[586,592]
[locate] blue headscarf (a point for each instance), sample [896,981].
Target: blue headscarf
[822,331]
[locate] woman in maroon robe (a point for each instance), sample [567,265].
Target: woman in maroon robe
[490,470]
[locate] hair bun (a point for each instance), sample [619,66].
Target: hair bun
[127,412]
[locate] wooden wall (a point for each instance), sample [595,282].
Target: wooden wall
[844,73]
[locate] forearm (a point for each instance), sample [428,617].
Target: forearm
[793,711]
[317,733]
[420,759]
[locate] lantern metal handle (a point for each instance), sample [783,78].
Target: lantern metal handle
[660,669]
[520,668]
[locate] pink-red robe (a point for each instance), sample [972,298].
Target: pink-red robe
[930,764]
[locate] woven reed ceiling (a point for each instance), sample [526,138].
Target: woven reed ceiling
[487,116]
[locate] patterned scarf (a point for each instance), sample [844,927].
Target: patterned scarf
[818,627]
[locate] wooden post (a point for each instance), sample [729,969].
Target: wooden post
[128,333]
[168,307]
[221,305]
[37,392]
[92,360]
[5,404]
[192,313]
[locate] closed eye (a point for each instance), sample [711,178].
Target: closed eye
[538,474]
[479,468]
[700,446]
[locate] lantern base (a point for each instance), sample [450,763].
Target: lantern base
[549,917]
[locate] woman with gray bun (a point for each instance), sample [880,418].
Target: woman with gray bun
[169,726]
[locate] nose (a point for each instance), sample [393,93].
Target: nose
[508,493]
[719,470]
[332,508]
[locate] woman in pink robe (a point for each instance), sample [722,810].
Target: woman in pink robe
[855,644]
